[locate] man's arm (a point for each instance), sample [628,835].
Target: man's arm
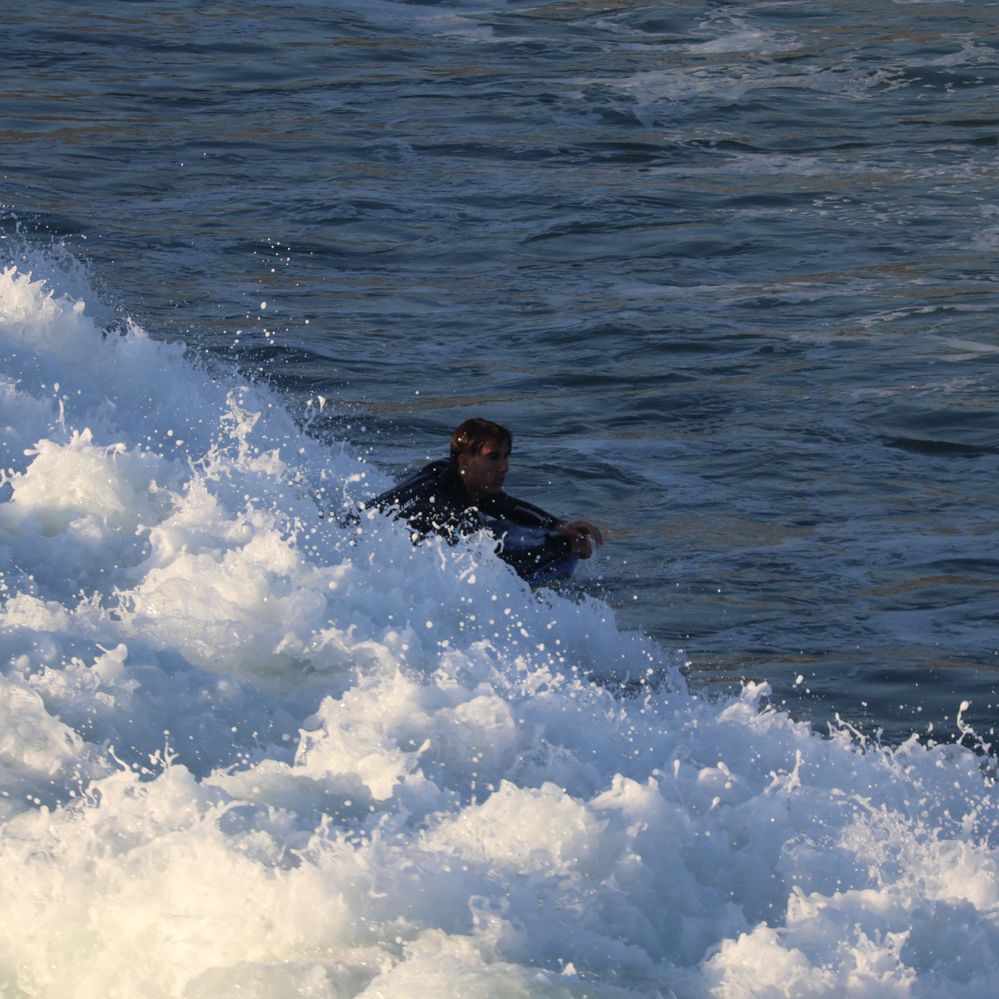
[534,542]
[533,552]
[584,537]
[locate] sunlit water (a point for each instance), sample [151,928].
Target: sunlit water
[727,272]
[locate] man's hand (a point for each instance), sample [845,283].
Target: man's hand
[585,537]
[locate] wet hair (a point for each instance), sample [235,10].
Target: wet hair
[470,437]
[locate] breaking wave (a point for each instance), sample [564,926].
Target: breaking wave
[247,751]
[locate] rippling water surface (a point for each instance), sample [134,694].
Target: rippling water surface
[727,270]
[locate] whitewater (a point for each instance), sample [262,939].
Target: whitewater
[247,751]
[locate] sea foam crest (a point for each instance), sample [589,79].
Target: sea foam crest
[244,750]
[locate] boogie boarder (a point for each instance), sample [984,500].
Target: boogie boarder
[462,494]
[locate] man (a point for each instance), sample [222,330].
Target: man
[463,494]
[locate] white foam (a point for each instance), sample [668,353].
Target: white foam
[246,751]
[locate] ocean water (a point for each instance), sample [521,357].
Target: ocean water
[727,270]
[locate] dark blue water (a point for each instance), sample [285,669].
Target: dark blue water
[727,270]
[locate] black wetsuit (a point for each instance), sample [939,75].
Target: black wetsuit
[434,501]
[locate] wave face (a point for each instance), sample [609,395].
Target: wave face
[245,751]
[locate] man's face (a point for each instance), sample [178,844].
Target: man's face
[482,474]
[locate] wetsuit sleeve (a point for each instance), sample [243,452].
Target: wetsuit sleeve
[521,512]
[528,539]
[531,550]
